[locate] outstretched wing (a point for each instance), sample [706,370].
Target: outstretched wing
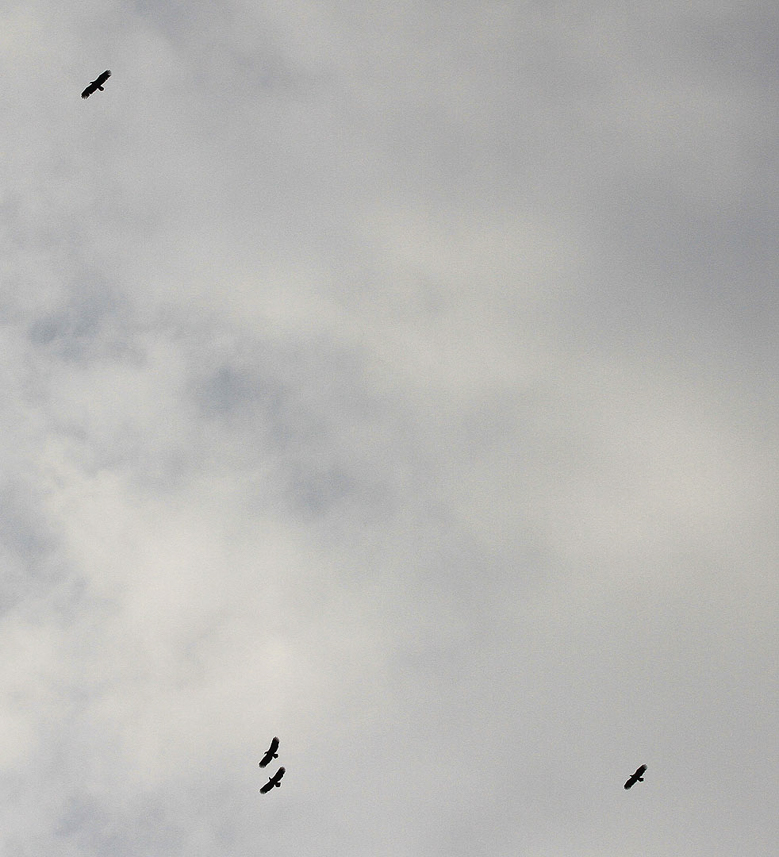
[640,771]
[631,782]
[88,91]
[267,787]
[278,775]
[103,77]
[270,753]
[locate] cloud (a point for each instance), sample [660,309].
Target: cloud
[397,381]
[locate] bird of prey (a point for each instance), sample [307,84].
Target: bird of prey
[275,780]
[638,777]
[96,84]
[270,753]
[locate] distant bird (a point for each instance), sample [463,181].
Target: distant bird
[638,777]
[275,780]
[270,753]
[96,84]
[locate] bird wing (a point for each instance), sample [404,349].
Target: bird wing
[630,783]
[640,771]
[267,787]
[88,91]
[274,745]
[103,77]
[278,775]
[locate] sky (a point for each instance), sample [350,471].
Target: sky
[399,379]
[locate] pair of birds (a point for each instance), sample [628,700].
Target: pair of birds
[275,780]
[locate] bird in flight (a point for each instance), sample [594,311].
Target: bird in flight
[96,84]
[275,780]
[270,753]
[637,777]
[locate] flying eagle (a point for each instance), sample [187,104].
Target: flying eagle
[270,753]
[275,780]
[96,84]
[638,777]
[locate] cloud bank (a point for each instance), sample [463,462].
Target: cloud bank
[400,381]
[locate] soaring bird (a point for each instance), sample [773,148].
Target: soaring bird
[275,780]
[96,84]
[638,777]
[270,753]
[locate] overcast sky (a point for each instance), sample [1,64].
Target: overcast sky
[400,379]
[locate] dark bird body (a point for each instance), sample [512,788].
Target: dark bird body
[638,777]
[275,780]
[96,84]
[270,753]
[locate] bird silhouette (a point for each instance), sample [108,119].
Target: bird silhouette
[275,780]
[96,84]
[270,753]
[637,777]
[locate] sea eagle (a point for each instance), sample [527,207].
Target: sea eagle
[275,780]
[638,777]
[270,753]
[96,84]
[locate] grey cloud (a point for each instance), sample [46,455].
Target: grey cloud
[398,380]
